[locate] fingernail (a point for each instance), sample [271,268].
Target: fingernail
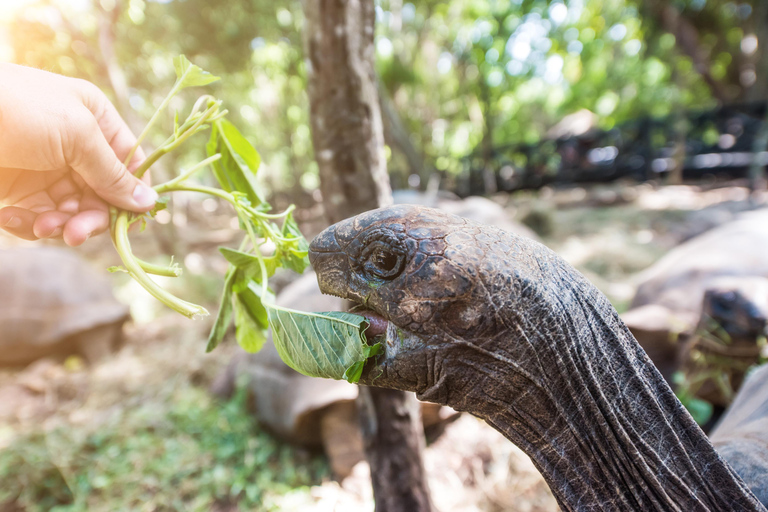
[53,234]
[12,223]
[144,196]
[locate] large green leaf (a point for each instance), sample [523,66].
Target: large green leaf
[236,169]
[330,345]
[189,75]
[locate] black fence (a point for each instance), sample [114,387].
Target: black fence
[709,144]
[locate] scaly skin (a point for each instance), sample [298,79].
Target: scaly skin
[498,325]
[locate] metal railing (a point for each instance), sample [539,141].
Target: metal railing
[725,141]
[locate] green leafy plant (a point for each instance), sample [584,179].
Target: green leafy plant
[322,345]
[180,450]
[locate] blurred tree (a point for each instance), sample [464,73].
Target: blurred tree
[461,76]
[346,121]
[725,40]
[349,143]
[474,74]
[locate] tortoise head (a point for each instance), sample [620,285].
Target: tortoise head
[739,305]
[438,281]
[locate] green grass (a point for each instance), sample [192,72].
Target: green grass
[185,452]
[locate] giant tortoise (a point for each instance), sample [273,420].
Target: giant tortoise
[314,413]
[702,307]
[54,304]
[498,325]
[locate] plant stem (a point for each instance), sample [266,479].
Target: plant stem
[174,142]
[188,174]
[180,185]
[123,246]
[174,90]
[273,215]
[192,187]
[159,270]
[151,159]
[173,186]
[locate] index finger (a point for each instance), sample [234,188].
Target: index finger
[119,136]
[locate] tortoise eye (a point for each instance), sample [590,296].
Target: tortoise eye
[383,261]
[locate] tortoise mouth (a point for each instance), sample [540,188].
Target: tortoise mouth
[377,324]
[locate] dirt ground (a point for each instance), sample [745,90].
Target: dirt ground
[609,233]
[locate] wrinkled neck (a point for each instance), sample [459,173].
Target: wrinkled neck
[589,408]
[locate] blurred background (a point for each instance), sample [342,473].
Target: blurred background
[618,132]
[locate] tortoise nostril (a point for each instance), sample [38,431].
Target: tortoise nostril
[323,243]
[312,258]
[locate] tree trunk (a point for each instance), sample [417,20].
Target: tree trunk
[344,107]
[349,147]
[394,439]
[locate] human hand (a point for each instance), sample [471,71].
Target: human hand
[62,144]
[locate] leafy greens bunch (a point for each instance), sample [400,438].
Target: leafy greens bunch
[328,345]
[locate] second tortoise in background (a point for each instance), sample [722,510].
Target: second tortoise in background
[702,308]
[54,304]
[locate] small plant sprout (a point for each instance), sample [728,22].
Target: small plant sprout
[304,340]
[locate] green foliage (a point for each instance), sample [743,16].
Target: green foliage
[235,162]
[251,317]
[295,251]
[199,455]
[330,345]
[462,75]
[515,68]
[189,75]
[236,170]
[355,371]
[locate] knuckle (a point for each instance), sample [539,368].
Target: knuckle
[78,131]
[91,96]
[117,178]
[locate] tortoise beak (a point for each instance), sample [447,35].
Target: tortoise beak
[330,263]
[401,365]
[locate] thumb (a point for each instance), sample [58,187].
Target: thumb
[95,161]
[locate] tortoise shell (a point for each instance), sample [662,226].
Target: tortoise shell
[50,296]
